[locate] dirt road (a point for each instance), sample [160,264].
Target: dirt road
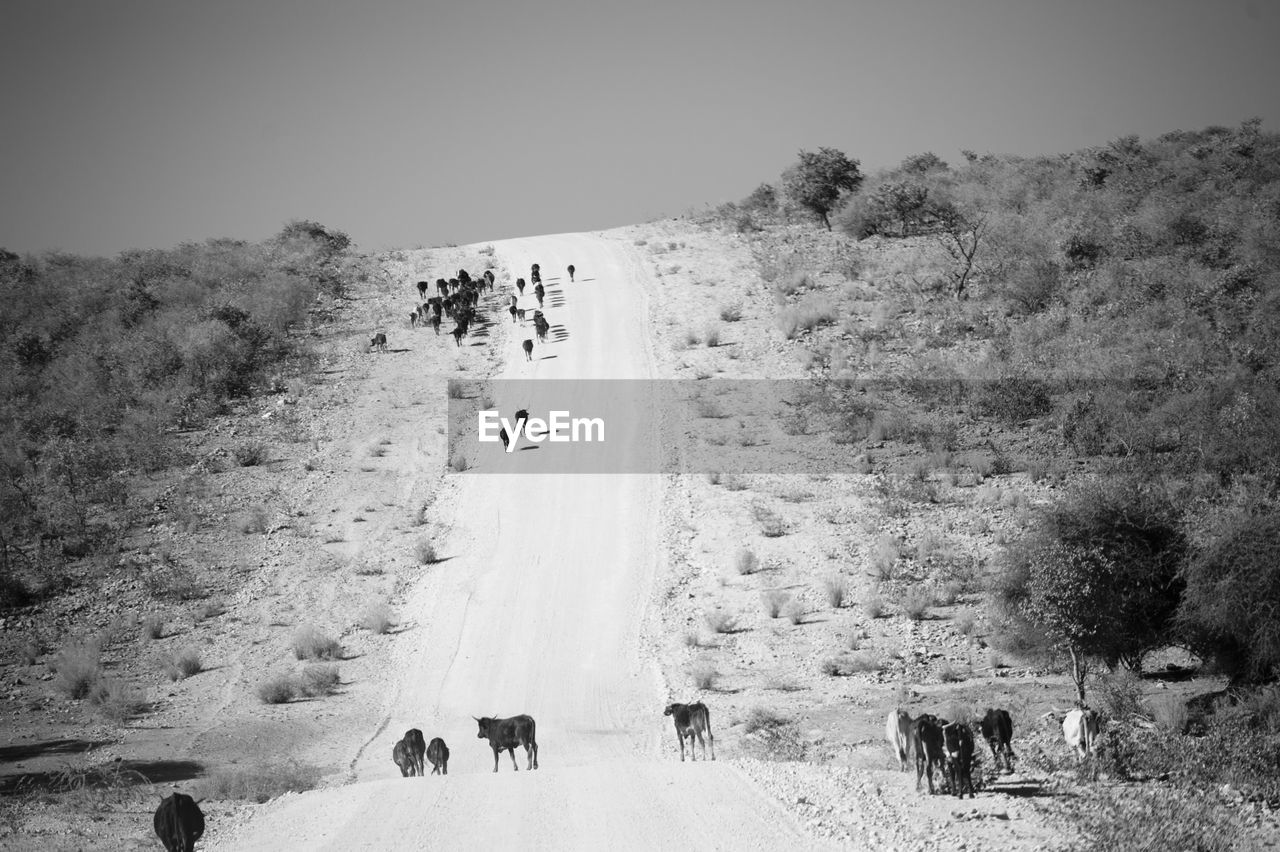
[538,608]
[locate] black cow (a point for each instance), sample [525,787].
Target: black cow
[459,332]
[541,326]
[438,754]
[540,292]
[520,285]
[379,342]
[513,310]
[436,304]
[957,742]
[435,323]
[179,823]
[489,277]
[926,742]
[413,319]
[423,286]
[442,287]
[417,748]
[507,734]
[528,349]
[504,437]
[571,272]
[463,277]
[536,277]
[997,730]
[403,758]
[520,314]
[692,720]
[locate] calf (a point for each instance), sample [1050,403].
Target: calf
[1080,729]
[507,734]
[957,742]
[528,349]
[926,742]
[178,822]
[692,720]
[379,342]
[438,754]
[997,730]
[897,730]
[571,272]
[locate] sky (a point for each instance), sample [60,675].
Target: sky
[147,123]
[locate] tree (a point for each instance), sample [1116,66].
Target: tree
[816,181]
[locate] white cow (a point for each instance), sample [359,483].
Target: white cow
[1080,729]
[897,730]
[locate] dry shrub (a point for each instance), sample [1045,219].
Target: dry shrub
[116,700]
[711,335]
[721,621]
[250,453]
[210,610]
[916,603]
[948,673]
[885,557]
[77,668]
[774,601]
[836,589]
[153,626]
[761,718]
[964,622]
[458,462]
[319,679]
[310,644]
[795,611]
[747,562]
[873,606]
[252,520]
[180,665]
[731,313]
[855,663]
[770,522]
[1169,712]
[425,552]
[704,674]
[377,619]
[280,689]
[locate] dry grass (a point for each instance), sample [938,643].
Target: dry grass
[116,700]
[855,663]
[731,313]
[319,679]
[1169,712]
[704,674]
[746,562]
[153,626]
[916,603]
[774,601]
[836,590]
[259,784]
[795,611]
[885,557]
[182,664]
[377,619]
[280,689]
[770,522]
[721,621]
[310,644]
[251,521]
[762,718]
[425,552]
[77,668]
[873,606]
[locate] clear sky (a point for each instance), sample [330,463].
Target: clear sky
[144,123]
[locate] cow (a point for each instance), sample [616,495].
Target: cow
[423,286]
[926,742]
[522,417]
[540,292]
[897,730]
[463,276]
[528,349]
[571,272]
[957,744]
[507,734]
[504,437]
[692,720]
[442,287]
[520,285]
[417,748]
[459,332]
[513,310]
[520,314]
[997,730]
[403,758]
[489,277]
[178,822]
[515,300]
[536,277]
[1080,729]
[438,754]
[541,327]
[379,342]
[413,319]
[435,323]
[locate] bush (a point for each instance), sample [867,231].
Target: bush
[77,668]
[855,663]
[722,622]
[1169,712]
[1120,694]
[771,523]
[280,689]
[152,627]
[731,313]
[319,679]
[947,673]
[458,462]
[795,611]
[116,700]
[747,562]
[250,453]
[377,619]
[425,552]
[916,603]
[704,674]
[763,718]
[183,664]
[711,336]
[1014,399]
[210,610]
[774,601]
[885,556]
[806,316]
[836,589]
[873,606]
[964,622]
[310,644]
[252,520]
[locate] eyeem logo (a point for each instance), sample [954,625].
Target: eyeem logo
[561,428]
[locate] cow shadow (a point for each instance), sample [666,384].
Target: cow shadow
[395,351]
[548,357]
[26,751]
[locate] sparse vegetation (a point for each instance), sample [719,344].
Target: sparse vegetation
[774,601]
[77,668]
[377,618]
[704,674]
[116,700]
[250,453]
[311,644]
[183,664]
[722,621]
[916,603]
[747,562]
[319,679]
[279,689]
[153,626]
[836,589]
[259,784]
[425,552]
